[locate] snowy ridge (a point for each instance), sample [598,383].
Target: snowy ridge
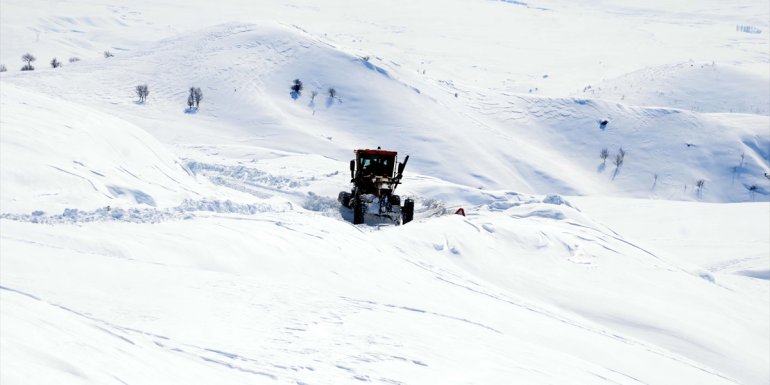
[689,86]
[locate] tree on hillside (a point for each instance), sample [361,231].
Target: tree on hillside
[619,157]
[2,68]
[142,91]
[55,63]
[191,98]
[604,154]
[28,58]
[699,184]
[197,96]
[296,89]
[108,54]
[618,160]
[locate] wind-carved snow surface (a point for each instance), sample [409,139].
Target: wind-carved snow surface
[142,243]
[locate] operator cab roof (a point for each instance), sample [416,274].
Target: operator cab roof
[375,152]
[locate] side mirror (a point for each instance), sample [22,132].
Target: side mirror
[352,167]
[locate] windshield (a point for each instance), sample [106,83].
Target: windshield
[377,165]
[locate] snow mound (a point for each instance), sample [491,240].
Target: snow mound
[58,155]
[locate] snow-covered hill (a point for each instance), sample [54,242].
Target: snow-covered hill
[527,143]
[154,243]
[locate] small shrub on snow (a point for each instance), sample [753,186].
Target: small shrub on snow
[332,92]
[28,58]
[108,54]
[191,98]
[198,96]
[194,98]
[604,154]
[619,157]
[142,91]
[2,68]
[296,89]
[74,59]
[55,63]
[618,160]
[699,184]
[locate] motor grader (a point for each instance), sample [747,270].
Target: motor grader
[375,174]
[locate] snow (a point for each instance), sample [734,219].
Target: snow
[147,243]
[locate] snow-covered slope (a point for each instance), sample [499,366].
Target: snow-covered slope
[481,299]
[528,143]
[58,155]
[690,86]
[153,243]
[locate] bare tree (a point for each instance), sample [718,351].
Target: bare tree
[604,154]
[622,152]
[142,91]
[198,96]
[699,184]
[191,98]
[74,59]
[55,63]
[28,58]
[332,92]
[313,94]
[2,68]
[618,161]
[108,54]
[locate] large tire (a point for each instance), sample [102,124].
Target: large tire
[358,211]
[407,211]
[344,199]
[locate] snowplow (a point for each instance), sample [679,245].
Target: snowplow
[375,174]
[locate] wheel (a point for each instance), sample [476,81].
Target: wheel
[358,211]
[344,199]
[407,211]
